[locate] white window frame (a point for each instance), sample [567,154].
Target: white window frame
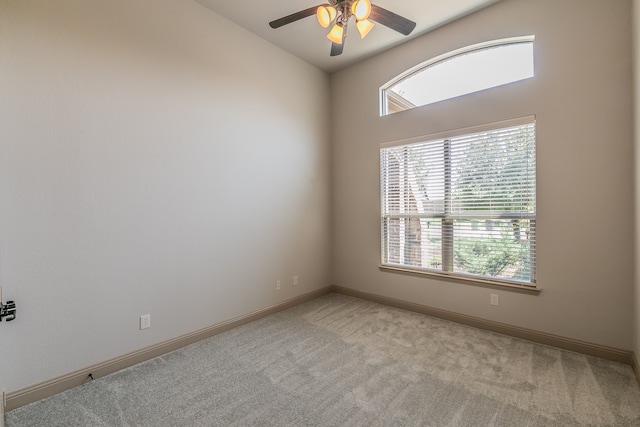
[531,285]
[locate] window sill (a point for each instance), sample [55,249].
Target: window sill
[507,286]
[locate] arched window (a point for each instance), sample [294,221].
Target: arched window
[460,72]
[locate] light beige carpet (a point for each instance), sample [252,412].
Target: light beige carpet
[340,361]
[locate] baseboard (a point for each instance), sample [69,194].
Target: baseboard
[604,352]
[40,391]
[636,366]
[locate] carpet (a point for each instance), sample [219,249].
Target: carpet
[342,361]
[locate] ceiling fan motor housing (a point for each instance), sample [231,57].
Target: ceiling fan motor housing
[344,10]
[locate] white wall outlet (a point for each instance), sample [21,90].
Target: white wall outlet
[278,285]
[145,321]
[495,299]
[295,281]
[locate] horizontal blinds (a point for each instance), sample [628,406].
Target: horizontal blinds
[489,174]
[413,179]
[463,204]
[493,174]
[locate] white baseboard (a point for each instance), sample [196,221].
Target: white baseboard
[56,385]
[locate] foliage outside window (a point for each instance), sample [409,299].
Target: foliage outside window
[462,203]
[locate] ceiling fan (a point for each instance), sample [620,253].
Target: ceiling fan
[339,12]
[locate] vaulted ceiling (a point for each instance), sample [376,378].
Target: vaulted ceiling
[307,40]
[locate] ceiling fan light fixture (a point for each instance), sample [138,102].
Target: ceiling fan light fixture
[326,15]
[361,9]
[364,27]
[336,34]
[336,14]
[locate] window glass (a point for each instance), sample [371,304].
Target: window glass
[462,204]
[460,72]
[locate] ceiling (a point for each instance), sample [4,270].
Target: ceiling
[307,40]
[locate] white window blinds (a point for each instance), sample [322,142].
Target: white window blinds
[462,203]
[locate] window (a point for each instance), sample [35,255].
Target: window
[462,203]
[460,72]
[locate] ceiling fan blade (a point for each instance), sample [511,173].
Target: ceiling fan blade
[391,20]
[293,17]
[336,49]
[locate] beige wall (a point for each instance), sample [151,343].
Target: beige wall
[583,104]
[636,80]
[154,158]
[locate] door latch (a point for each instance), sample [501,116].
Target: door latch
[8,311]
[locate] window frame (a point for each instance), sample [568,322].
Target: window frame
[385,98]
[529,286]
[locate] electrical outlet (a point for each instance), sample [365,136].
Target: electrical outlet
[145,321]
[295,281]
[278,285]
[495,299]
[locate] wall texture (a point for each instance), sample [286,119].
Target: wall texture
[583,105]
[636,117]
[154,158]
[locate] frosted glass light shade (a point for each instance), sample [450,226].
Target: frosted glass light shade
[364,27]
[326,15]
[361,9]
[336,34]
